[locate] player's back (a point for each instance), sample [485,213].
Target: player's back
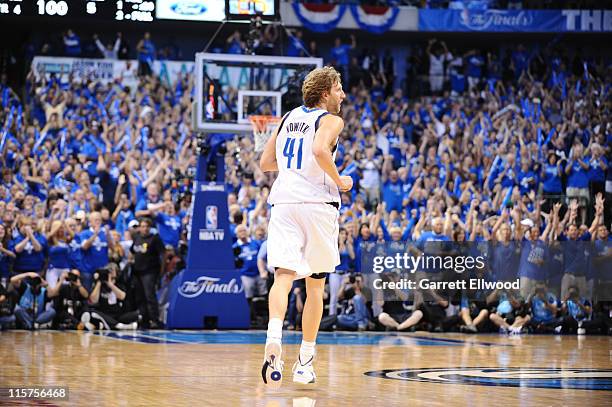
[300,178]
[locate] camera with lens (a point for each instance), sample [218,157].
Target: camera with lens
[35,281]
[72,277]
[102,274]
[238,262]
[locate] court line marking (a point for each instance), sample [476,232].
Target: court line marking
[114,335]
[124,336]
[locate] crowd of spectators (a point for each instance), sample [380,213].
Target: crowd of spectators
[508,147]
[477,146]
[96,187]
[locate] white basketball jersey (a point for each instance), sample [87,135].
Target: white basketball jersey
[300,179]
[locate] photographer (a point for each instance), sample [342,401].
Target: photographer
[394,315]
[107,304]
[355,315]
[544,307]
[71,299]
[6,309]
[30,310]
[148,251]
[578,316]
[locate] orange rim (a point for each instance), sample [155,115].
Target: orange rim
[260,122]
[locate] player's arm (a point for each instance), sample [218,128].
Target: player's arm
[268,162]
[326,137]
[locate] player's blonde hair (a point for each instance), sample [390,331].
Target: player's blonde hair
[317,82]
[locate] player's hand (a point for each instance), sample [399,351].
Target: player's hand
[346,183]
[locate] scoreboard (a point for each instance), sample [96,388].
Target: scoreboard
[103,10]
[145,11]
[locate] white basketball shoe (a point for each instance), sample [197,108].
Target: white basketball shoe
[304,372]
[272,370]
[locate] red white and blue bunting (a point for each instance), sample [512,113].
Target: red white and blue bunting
[319,18]
[374,19]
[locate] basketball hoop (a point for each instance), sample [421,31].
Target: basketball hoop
[263,127]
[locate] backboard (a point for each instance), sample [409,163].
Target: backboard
[232,87]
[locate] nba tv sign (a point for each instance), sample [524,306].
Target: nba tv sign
[212,231]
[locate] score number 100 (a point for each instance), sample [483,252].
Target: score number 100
[52,8]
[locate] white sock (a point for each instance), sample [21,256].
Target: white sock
[275,331]
[307,351]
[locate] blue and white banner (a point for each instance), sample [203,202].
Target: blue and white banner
[374,19]
[326,17]
[515,20]
[319,18]
[106,70]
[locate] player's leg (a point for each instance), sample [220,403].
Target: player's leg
[279,294]
[313,309]
[303,371]
[277,306]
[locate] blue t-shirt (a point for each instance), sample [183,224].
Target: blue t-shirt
[532,264]
[554,263]
[475,63]
[392,195]
[430,236]
[29,259]
[97,255]
[5,261]
[520,60]
[169,228]
[148,52]
[76,254]
[457,82]
[505,261]
[345,261]
[575,254]
[596,173]
[552,181]
[528,181]
[508,178]
[539,310]
[235,47]
[123,219]
[295,47]
[357,242]
[341,54]
[574,310]
[59,256]
[428,247]
[578,176]
[73,45]
[248,254]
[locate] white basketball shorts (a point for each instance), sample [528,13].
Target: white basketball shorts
[304,238]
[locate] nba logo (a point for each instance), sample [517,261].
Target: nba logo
[211,217]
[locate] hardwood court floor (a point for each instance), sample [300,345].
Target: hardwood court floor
[223,369]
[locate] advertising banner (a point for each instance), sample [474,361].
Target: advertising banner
[515,20]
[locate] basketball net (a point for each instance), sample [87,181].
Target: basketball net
[263,127]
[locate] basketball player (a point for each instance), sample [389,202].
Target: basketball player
[303,230]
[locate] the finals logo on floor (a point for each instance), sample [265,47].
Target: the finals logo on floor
[585,379]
